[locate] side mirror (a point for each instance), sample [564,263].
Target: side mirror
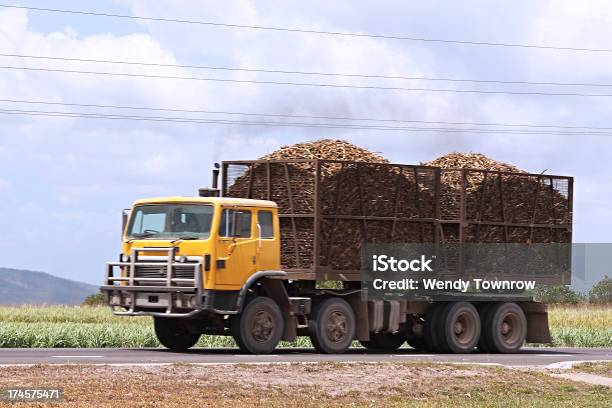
[124,218]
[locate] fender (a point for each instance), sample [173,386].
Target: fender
[250,281]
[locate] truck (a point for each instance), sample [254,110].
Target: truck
[274,253]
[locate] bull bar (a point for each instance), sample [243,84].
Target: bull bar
[171,292]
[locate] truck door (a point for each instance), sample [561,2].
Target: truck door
[268,247]
[237,248]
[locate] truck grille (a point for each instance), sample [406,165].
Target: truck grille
[186,271]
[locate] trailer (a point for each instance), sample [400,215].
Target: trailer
[275,253]
[321,201]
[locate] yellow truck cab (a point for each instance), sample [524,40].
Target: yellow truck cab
[240,235]
[184,257]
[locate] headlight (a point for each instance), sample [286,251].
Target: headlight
[182,259]
[125,258]
[192,301]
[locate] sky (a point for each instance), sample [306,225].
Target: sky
[64,181]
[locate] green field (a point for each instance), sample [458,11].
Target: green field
[65,326]
[581,325]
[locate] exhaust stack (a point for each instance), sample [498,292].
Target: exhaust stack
[214,191]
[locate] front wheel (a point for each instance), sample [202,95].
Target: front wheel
[259,328]
[332,329]
[174,334]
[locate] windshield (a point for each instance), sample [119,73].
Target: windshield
[171,221]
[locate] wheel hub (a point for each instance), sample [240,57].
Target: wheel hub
[263,326]
[510,329]
[336,328]
[464,328]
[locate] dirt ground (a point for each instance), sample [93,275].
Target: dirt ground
[303,385]
[602,368]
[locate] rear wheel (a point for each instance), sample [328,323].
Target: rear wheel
[173,333]
[332,328]
[459,328]
[384,341]
[505,328]
[258,329]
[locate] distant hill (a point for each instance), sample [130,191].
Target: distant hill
[19,287]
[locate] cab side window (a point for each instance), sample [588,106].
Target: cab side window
[235,223]
[265,223]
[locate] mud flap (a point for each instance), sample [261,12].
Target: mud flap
[360,308]
[537,322]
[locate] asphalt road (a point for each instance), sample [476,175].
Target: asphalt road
[527,357]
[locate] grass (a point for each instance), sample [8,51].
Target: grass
[65,314]
[99,335]
[312,385]
[65,326]
[581,325]
[581,316]
[70,326]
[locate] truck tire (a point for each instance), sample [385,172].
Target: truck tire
[431,334]
[173,334]
[259,328]
[505,328]
[384,341]
[332,328]
[458,328]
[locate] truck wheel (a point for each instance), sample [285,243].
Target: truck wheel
[173,333]
[384,341]
[431,334]
[258,329]
[505,328]
[459,327]
[332,328]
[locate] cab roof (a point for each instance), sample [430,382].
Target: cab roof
[246,202]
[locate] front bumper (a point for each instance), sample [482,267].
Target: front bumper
[155,285]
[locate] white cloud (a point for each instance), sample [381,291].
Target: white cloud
[157,164]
